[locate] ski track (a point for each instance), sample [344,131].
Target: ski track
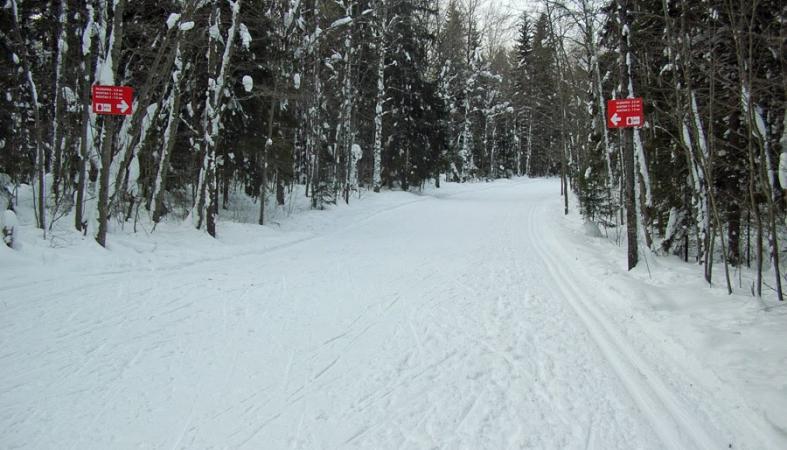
[672,420]
[448,321]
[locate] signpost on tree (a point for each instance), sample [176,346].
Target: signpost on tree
[113,100]
[626,114]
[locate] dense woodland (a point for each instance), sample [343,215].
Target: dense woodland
[327,98]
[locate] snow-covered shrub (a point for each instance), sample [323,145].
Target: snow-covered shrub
[7,225]
[7,217]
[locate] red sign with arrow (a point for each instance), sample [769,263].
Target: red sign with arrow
[625,113]
[114,100]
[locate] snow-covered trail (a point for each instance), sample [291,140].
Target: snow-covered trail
[454,321]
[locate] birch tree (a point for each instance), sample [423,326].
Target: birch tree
[380,25]
[219,55]
[106,70]
[23,58]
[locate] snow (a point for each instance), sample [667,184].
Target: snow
[248,83]
[71,99]
[64,44]
[783,170]
[591,229]
[296,81]
[783,139]
[673,223]
[287,20]
[105,75]
[639,155]
[698,124]
[669,67]
[172,20]
[473,316]
[356,151]
[7,234]
[341,22]
[245,36]
[215,33]
[186,26]
[8,219]
[87,34]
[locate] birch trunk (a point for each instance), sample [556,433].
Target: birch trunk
[40,164]
[529,143]
[57,103]
[348,133]
[135,128]
[466,153]
[380,99]
[314,139]
[170,135]
[86,134]
[207,199]
[107,70]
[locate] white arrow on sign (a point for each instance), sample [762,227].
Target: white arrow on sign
[124,106]
[615,119]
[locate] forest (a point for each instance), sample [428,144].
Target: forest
[266,98]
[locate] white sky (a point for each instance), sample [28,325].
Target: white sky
[513,9]
[503,14]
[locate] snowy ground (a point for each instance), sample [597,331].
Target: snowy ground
[471,317]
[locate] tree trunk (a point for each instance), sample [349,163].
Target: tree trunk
[627,138]
[107,150]
[279,189]
[40,163]
[170,136]
[380,98]
[207,200]
[86,143]
[265,151]
[57,103]
[103,181]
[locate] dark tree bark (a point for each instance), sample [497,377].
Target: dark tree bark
[627,143]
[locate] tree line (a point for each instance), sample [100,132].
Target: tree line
[704,177]
[327,98]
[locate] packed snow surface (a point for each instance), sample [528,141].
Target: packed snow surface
[471,317]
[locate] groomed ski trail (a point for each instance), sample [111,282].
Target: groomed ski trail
[444,321]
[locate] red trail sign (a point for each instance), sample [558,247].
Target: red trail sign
[115,100]
[625,113]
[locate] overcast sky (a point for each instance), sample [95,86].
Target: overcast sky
[513,9]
